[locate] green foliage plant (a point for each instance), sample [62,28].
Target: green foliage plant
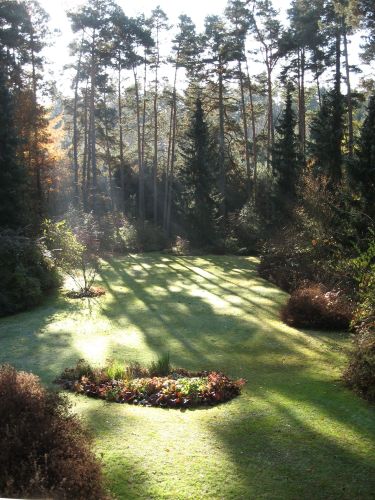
[116,370]
[161,366]
[360,371]
[27,272]
[75,251]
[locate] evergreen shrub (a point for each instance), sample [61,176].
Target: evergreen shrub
[26,272]
[360,372]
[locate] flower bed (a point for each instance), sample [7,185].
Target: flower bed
[179,389]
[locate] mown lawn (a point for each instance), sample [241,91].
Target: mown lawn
[294,433]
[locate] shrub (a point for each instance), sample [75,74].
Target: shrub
[44,450]
[75,250]
[314,306]
[181,246]
[151,238]
[360,372]
[128,237]
[26,272]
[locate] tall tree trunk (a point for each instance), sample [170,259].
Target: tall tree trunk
[222,173]
[108,151]
[270,128]
[140,144]
[301,102]
[35,139]
[121,141]
[253,130]
[75,128]
[93,127]
[144,108]
[245,129]
[173,156]
[171,146]
[349,92]
[85,153]
[336,160]
[156,132]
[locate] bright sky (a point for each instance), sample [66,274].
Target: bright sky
[196,9]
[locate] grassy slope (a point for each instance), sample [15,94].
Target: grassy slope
[294,433]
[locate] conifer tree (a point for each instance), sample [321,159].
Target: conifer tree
[196,178]
[12,175]
[286,160]
[363,170]
[326,134]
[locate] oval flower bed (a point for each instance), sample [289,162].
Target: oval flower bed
[180,388]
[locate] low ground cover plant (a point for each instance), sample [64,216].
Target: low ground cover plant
[159,385]
[45,452]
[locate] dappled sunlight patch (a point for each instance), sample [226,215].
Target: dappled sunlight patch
[94,348]
[131,338]
[331,426]
[210,298]
[175,288]
[233,299]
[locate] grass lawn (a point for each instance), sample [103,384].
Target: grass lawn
[294,433]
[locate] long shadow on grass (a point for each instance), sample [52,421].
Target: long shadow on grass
[180,321]
[313,438]
[189,326]
[287,452]
[27,344]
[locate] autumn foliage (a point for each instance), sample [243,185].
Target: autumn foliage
[315,306]
[45,452]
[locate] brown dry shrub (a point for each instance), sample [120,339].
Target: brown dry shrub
[315,306]
[44,450]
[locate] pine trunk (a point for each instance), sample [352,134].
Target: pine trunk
[222,176]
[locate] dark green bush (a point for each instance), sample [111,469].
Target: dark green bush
[26,272]
[360,372]
[151,238]
[359,375]
[45,452]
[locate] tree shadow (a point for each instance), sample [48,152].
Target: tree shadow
[33,341]
[284,452]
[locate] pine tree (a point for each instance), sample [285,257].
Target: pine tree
[12,175]
[286,160]
[196,179]
[363,170]
[366,10]
[326,135]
